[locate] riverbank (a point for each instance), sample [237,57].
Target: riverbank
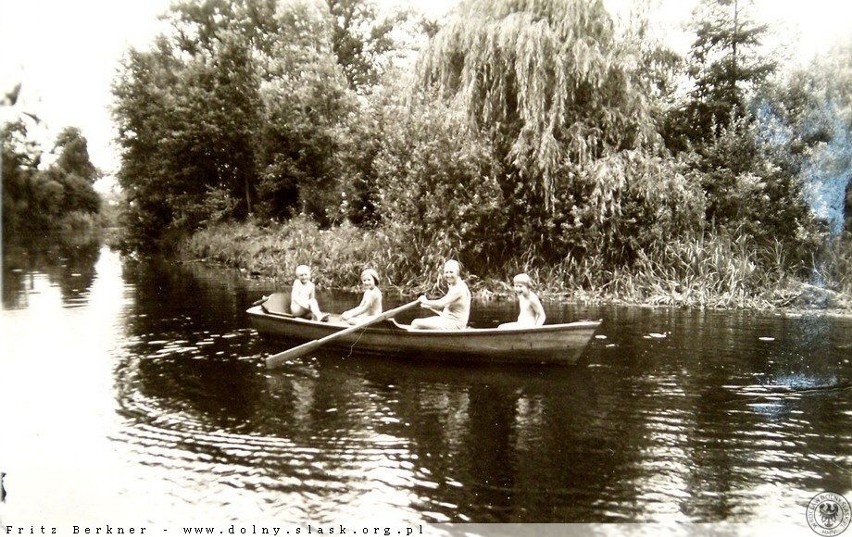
[717,273]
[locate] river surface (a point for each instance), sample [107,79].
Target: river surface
[135,391]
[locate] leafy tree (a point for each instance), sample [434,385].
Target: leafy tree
[558,95]
[20,153]
[367,132]
[361,39]
[545,80]
[726,66]
[752,190]
[749,194]
[659,69]
[217,92]
[74,155]
[75,172]
[438,192]
[234,112]
[807,118]
[190,117]
[145,117]
[46,202]
[20,163]
[304,100]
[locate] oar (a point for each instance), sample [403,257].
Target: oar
[277,359]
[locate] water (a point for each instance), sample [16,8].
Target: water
[135,392]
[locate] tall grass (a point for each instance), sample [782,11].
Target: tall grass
[836,268]
[707,272]
[702,271]
[337,256]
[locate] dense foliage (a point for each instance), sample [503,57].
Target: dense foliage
[528,135]
[233,113]
[438,191]
[807,119]
[58,199]
[361,40]
[570,121]
[726,65]
[752,191]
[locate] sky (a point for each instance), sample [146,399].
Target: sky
[65,52]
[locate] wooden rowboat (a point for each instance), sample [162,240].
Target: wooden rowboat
[554,343]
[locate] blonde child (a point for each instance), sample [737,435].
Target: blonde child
[371,303]
[303,301]
[531,311]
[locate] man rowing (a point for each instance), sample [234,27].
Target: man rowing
[453,308]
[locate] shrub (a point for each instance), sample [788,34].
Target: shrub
[438,193]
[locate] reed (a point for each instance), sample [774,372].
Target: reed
[273,251]
[697,272]
[835,269]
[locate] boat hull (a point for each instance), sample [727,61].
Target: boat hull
[558,343]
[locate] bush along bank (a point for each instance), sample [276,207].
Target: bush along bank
[704,272]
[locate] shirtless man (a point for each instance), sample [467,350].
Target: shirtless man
[454,306]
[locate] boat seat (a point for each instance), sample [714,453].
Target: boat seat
[407,327]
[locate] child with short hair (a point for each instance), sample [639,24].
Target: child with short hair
[531,312]
[371,303]
[303,301]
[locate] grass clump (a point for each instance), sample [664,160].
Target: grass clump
[701,272]
[273,251]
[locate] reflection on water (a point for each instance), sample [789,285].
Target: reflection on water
[138,389]
[70,268]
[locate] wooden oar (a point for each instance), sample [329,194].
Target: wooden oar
[277,359]
[436,310]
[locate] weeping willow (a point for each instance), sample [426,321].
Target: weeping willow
[547,80]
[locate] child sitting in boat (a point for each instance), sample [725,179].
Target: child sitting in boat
[303,301]
[371,303]
[531,311]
